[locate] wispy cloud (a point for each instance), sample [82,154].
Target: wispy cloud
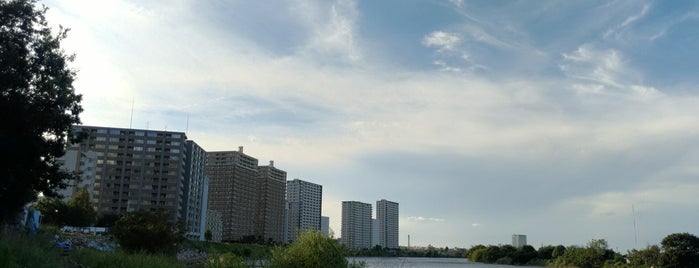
[422,219]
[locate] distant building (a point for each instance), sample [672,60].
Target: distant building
[375,233]
[196,191]
[214,223]
[232,180]
[270,204]
[519,240]
[356,224]
[325,225]
[85,163]
[387,215]
[138,169]
[304,203]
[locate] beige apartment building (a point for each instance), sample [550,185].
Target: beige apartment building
[269,214]
[232,186]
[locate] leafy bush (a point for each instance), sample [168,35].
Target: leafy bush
[147,231]
[312,249]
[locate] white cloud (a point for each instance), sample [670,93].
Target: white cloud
[457,3]
[444,41]
[423,219]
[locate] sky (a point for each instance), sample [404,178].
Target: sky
[565,121]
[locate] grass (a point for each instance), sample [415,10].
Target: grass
[119,259]
[19,250]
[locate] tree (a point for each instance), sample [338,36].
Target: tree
[38,106]
[680,250]
[311,249]
[647,257]
[53,210]
[83,214]
[147,231]
[208,235]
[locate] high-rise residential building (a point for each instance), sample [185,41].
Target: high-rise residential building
[196,192]
[375,233]
[83,162]
[232,184]
[387,215]
[519,240]
[304,203]
[137,169]
[214,224]
[270,204]
[356,224]
[325,225]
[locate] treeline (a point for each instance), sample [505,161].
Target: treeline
[676,250]
[430,252]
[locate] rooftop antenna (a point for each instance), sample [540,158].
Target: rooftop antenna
[187,128]
[131,120]
[635,232]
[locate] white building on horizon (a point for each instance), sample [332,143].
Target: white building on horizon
[519,240]
[356,224]
[387,215]
[304,203]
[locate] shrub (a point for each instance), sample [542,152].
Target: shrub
[152,232]
[312,249]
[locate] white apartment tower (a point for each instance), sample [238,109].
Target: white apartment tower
[519,240]
[387,215]
[304,203]
[356,224]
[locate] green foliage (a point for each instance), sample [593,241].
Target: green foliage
[311,249]
[595,254]
[119,259]
[208,235]
[26,251]
[38,106]
[225,260]
[680,250]
[247,251]
[648,257]
[56,212]
[147,231]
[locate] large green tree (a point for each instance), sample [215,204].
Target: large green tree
[38,105]
[680,250]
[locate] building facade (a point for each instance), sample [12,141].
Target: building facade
[356,224]
[232,184]
[214,224]
[387,215]
[325,226]
[196,192]
[270,204]
[85,163]
[304,203]
[519,240]
[137,169]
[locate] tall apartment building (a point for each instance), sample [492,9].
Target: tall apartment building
[356,224]
[77,161]
[325,225]
[232,185]
[519,240]
[387,215]
[194,205]
[137,169]
[270,203]
[304,203]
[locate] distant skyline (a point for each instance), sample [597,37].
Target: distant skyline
[483,119]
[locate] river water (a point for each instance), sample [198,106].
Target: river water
[410,262]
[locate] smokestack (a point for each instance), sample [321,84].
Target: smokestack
[271,163]
[240,149]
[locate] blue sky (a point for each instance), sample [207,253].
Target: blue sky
[483,119]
